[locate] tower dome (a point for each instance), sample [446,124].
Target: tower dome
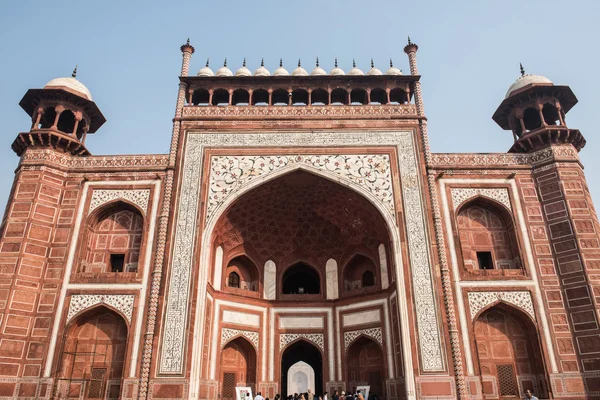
[70,84]
[299,71]
[355,71]
[373,70]
[243,71]
[393,70]
[526,80]
[224,71]
[318,71]
[262,71]
[337,71]
[206,71]
[281,71]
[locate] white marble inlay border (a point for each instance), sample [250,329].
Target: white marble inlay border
[227,334]
[460,195]
[139,197]
[121,302]
[520,299]
[287,338]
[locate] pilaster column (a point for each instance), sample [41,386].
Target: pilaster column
[38,118]
[59,110]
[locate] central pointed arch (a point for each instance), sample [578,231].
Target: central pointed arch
[306,352]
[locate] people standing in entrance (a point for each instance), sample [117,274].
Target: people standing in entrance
[325,396]
[311,395]
[529,395]
[259,396]
[335,395]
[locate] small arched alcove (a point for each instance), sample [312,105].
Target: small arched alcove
[93,356]
[508,353]
[531,118]
[339,96]
[242,274]
[113,242]
[66,122]
[487,237]
[260,97]
[359,274]
[300,278]
[201,97]
[398,96]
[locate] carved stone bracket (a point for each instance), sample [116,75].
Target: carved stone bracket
[287,338]
[351,336]
[460,195]
[227,334]
[121,302]
[520,299]
[139,197]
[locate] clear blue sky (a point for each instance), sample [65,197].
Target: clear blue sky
[128,56]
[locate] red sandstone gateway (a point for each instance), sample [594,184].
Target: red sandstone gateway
[299,236]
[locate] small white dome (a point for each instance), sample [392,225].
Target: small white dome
[243,71]
[224,71]
[337,71]
[281,71]
[262,71]
[373,70]
[526,80]
[299,71]
[206,71]
[355,71]
[318,71]
[72,85]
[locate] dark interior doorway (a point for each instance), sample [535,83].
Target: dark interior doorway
[301,279]
[302,351]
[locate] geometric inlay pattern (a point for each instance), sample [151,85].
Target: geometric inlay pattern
[460,195]
[374,333]
[178,294]
[227,334]
[420,264]
[287,338]
[230,172]
[121,302]
[138,197]
[520,299]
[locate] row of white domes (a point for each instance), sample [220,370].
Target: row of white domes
[299,71]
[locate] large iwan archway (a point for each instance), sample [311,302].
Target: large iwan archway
[302,351]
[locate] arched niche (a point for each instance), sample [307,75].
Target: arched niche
[305,352]
[365,366]
[300,279]
[508,353]
[238,367]
[241,274]
[93,355]
[113,240]
[359,275]
[487,238]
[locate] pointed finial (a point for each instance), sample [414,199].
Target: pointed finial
[409,42]
[317,62]
[299,63]
[336,62]
[188,41]
[391,63]
[353,63]
[207,61]
[372,64]
[244,63]
[187,47]
[262,62]
[74,74]
[280,62]
[522,69]
[225,62]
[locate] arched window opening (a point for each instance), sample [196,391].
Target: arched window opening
[487,238]
[242,274]
[532,120]
[550,114]
[234,280]
[301,279]
[378,96]
[81,128]
[240,97]
[358,96]
[398,96]
[238,367]
[299,97]
[359,273]
[66,122]
[280,97]
[48,118]
[93,357]
[339,96]
[260,97]
[366,366]
[113,241]
[201,97]
[508,353]
[319,97]
[220,97]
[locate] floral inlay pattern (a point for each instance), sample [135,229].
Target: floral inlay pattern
[227,334]
[460,195]
[287,338]
[121,302]
[351,336]
[138,197]
[521,299]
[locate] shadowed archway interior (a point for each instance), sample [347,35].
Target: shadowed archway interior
[302,351]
